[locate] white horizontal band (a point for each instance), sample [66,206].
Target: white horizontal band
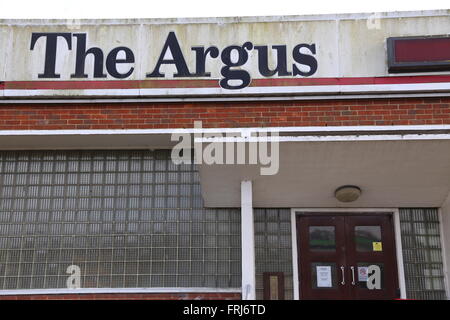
[192,92]
[79,100]
[281,130]
[118,290]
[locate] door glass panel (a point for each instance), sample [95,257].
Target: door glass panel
[368,238]
[322,238]
[369,275]
[323,275]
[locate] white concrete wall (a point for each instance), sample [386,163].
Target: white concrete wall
[445,236]
[347,45]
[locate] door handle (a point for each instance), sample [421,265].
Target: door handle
[353,275]
[343,275]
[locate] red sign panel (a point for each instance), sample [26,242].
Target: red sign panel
[418,54]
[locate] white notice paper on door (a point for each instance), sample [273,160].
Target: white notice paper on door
[323,276]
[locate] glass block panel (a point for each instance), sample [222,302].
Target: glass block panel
[422,253]
[125,218]
[272,248]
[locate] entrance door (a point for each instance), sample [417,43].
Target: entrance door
[347,257]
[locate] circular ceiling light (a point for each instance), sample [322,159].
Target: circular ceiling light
[347,193]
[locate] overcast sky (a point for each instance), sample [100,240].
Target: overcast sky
[200,8]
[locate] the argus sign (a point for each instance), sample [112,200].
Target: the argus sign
[299,62]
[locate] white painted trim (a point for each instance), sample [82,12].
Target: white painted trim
[161,138]
[343,210]
[407,137]
[294,211]
[399,254]
[221,99]
[443,253]
[223,20]
[317,129]
[295,275]
[118,290]
[193,92]
[248,242]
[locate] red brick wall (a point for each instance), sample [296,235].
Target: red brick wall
[127,296]
[417,111]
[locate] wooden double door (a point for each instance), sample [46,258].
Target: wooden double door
[347,257]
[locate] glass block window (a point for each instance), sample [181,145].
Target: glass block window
[127,219]
[422,254]
[273,247]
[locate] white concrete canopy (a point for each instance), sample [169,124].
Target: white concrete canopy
[392,172]
[395,166]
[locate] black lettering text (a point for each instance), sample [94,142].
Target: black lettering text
[177,59]
[200,60]
[235,74]
[263,61]
[112,61]
[50,51]
[304,59]
[81,58]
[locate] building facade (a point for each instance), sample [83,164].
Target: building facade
[295,157]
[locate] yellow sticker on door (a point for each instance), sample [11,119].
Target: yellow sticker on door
[377,246]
